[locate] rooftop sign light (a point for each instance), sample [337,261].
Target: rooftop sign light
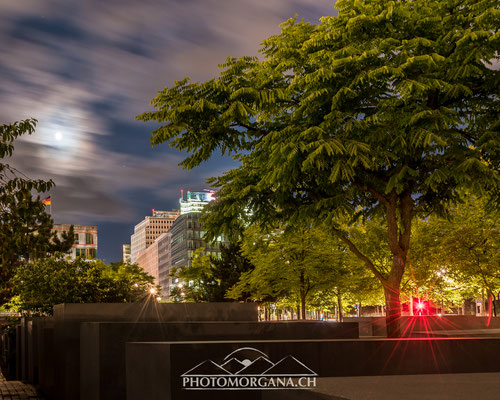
[195,201]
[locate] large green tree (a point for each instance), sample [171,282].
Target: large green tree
[387,109]
[25,227]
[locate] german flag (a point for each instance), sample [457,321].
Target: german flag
[47,201]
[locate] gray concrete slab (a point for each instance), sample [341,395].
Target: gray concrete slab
[169,370]
[430,324]
[478,386]
[68,317]
[158,312]
[102,344]
[463,332]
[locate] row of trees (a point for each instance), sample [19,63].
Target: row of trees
[307,268]
[385,112]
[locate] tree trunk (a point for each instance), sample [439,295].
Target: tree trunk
[483,304]
[339,302]
[392,311]
[298,311]
[494,305]
[303,304]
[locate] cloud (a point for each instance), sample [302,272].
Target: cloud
[84,69]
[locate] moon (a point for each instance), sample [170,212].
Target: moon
[58,136]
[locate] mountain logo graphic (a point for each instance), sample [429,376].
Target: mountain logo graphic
[248,368]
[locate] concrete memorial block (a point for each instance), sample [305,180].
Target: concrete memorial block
[30,348]
[68,317]
[196,370]
[102,344]
[369,326]
[45,344]
[419,325]
[430,324]
[8,355]
[18,353]
[153,311]
[24,353]
[33,326]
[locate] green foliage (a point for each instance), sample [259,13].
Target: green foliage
[209,278]
[190,288]
[389,109]
[25,227]
[458,258]
[42,284]
[302,264]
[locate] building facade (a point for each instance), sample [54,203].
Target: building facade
[164,262]
[186,237]
[148,261]
[126,253]
[146,231]
[85,245]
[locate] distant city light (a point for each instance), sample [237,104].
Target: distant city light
[152,291]
[195,201]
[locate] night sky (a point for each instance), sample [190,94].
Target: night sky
[85,69]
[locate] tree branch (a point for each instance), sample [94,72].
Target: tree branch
[379,196]
[359,254]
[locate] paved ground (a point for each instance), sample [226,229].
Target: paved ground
[481,386]
[15,390]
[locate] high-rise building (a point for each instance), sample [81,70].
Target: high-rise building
[164,262]
[85,245]
[155,260]
[148,260]
[126,253]
[186,236]
[146,231]
[195,202]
